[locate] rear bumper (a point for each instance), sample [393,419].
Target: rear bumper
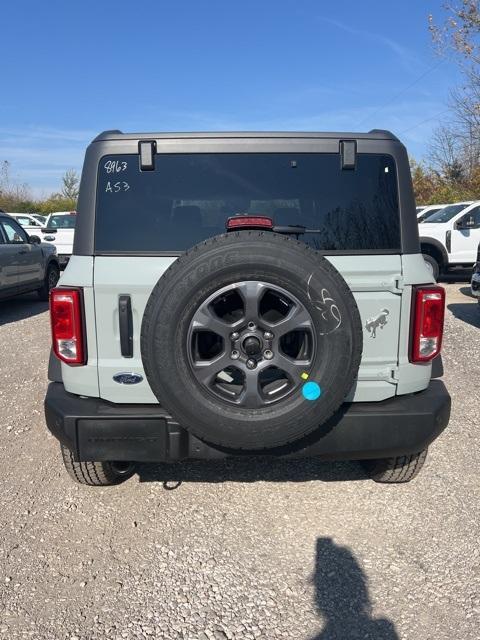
[94,429]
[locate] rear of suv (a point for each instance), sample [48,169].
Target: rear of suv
[245,293]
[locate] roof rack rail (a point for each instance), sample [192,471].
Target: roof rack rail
[116,134]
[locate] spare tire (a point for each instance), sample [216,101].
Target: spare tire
[251,340]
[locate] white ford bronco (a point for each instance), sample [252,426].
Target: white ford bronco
[246,293]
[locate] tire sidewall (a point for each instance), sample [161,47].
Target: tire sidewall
[433,263]
[271,259]
[55,269]
[44,291]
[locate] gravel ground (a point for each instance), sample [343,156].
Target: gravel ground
[243,549]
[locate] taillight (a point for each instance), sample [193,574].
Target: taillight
[66,316]
[427,323]
[249,222]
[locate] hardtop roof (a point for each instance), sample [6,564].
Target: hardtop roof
[374,134]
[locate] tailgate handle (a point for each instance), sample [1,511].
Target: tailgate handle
[125,321]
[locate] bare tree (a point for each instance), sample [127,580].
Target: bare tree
[446,154]
[459,37]
[459,32]
[70,188]
[5,181]
[466,110]
[10,191]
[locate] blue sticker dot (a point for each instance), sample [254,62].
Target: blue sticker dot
[311,391]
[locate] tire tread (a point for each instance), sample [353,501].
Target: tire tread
[94,474]
[396,469]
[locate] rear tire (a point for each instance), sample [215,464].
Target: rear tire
[51,278]
[96,474]
[432,264]
[396,470]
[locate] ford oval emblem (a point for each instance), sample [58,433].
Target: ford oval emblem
[128,378]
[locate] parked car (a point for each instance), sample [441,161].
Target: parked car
[426,212]
[28,222]
[59,230]
[449,238]
[42,219]
[25,263]
[475,282]
[202,328]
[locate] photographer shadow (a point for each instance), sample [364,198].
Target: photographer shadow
[341,597]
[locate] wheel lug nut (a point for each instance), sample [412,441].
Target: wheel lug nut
[251,364]
[251,326]
[268,354]
[234,355]
[268,335]
[235,335]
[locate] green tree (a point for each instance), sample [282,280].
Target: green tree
[424,185]
[56,202]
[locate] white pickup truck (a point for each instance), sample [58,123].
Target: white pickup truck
[450,237]
[59,230]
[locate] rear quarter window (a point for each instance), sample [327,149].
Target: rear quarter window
[62,222]
[188,198]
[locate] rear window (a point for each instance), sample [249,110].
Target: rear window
[188,198]
[62,222]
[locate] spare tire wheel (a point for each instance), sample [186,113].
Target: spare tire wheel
[251,340]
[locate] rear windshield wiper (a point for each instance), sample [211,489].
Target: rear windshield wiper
[294,229]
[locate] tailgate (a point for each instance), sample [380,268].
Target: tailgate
[374,281]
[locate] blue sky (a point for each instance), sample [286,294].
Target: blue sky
[72,69]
